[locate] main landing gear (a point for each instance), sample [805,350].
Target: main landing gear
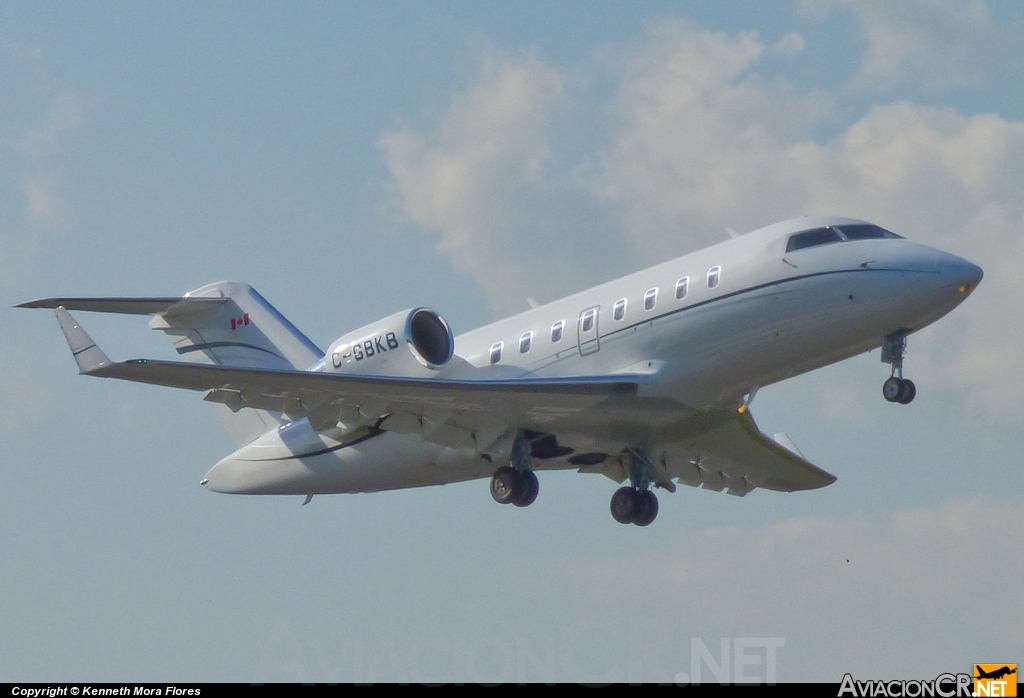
[635,506]
[636,503]
[511,486]
[897,388]
[517,483]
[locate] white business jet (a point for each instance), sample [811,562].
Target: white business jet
[646,379]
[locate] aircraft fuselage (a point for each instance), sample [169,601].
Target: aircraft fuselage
[704,329]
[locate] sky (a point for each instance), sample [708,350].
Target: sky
[352,159]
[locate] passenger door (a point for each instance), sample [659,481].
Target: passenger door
[586,331]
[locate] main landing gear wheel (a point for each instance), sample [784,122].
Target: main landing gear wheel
[647,512]
[529,488]
[901,390]
[503,484]
[511,486]
[630,505]
[623,504]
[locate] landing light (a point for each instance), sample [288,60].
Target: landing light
[964,288]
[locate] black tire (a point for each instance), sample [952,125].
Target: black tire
[624,504]
[892,389]
[908,391]
[647,511]
[505,484]
[527,489]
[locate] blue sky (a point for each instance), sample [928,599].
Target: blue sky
[353,159]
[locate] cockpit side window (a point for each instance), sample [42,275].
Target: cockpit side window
[812,238]
[866,232]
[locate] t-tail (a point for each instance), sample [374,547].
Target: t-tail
[228,323]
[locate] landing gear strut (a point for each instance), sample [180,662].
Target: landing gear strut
[897,388]
[517,483]
[636,503]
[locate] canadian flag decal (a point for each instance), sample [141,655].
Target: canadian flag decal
[239,321]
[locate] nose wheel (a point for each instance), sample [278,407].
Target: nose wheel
[901,390]
[897,388]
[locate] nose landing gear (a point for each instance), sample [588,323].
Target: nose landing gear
[897,388]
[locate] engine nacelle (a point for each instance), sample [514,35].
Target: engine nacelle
[413,342]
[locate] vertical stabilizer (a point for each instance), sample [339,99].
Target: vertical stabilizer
[244,331]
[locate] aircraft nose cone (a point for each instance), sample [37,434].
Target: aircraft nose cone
[222,477]
[966,274]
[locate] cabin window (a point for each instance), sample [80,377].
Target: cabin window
[588,320]
[496,352]
[681,287]
[650,298]
[866,232]
[524,342]
[714,276]
[619,311]
[556,331]
[813,238]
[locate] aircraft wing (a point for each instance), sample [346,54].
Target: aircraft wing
[535,399]
[734,455]
[717,450]
[460,413]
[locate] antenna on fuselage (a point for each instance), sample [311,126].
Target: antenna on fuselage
[732,233]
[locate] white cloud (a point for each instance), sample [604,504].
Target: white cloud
[30,161]
[482,183]
[699,137]
[43,208]
[789,45]
[934,44]
[64,114]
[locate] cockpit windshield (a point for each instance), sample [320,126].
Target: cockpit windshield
[866,232]
[844,233]
[813,238]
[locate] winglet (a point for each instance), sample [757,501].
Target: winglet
[88,356]
[782,439]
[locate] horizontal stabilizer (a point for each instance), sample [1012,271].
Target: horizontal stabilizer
[123,306]
[88,356]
